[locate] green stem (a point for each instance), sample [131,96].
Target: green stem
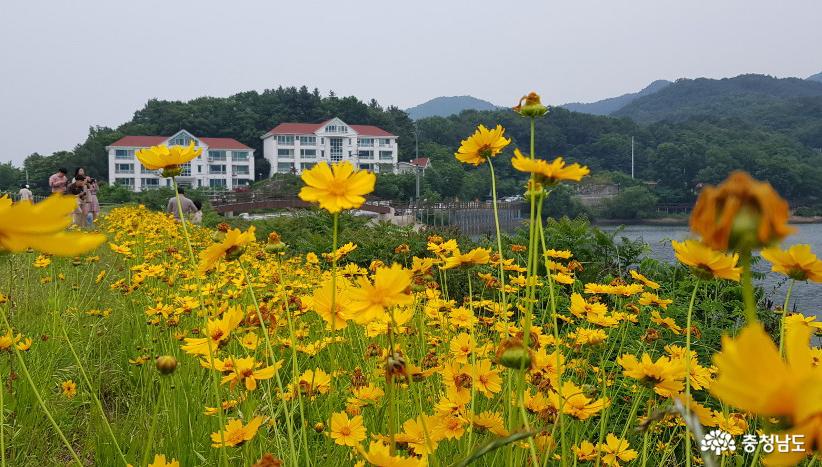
[503,296]
[2,422]
[150,440]
[784,317]
[747,287]
[688,372]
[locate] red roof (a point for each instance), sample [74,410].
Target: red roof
[420,162]
[308,128]
[146,141]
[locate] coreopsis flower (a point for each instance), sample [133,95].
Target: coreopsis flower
[648,282]
[389,288]
[217,331]
[586,451]
[231,247]
[236,433]
[485,378]
[575,403]
[667,322]
[247,370]
[530,105]
[69,389]
[648,298]
[161,461]
[491,421]
[707,262]
[168,159]
[481,145]
[321,304]
[797,262]
[311,383]
[413,434]
[379,455]
[616,450]
[753,376]
[336,187]
[474,257]
[345,431]
[41,226]
[549,173]
[664,375]
[741,213]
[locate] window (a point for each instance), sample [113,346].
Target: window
[182,140]
[217,183]
[285,167]
[126,182]
[124,153]
[216,169]
[199,169]
[286,153]
[185,170]
[366,142]
[308,140]
[239,156]
[385,142]
[287,140]
[336,149]
[216,155]
[242,182]
[124,168]
[386,155]
[367,167]
[308,165]
[367,155]
[308,153]
[336,129]
[144,170]
[240,169]
[151,183]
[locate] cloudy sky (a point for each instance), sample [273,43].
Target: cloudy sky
[66,65]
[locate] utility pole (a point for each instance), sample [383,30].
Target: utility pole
[417,157]
[632,157]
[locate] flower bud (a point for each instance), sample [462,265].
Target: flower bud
[166,364]
[511,353]
[532,106]
[171,171]
[319,427]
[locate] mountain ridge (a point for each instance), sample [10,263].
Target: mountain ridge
[612,104]
[444,106]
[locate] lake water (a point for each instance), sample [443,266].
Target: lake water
[806,297]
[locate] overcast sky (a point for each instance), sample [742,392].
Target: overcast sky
[66,65]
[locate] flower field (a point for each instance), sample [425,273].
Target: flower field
[156,342]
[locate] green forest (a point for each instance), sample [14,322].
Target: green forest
[691,133]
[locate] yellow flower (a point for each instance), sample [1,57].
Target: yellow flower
[481,145]
[69,389]
[231,247]
[648,282]
[390,287]
[160,461]
[740,213]
[664,375]
[217,330]
[475,256]
[321,303]
[615,450]
[575,403]
[706,262]
[347,432]
[533,106]
[235,433]
[649,298]
[562,278]
[245,369]
[586,451]
[336,187]
[549,172]
[379,455]
[486,379]
[797,262]
[667,322]
[753,377]
[492,422]
[41,226]
[167,158]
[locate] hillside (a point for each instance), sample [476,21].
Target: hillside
[612,104]
[718,98]
[445,106]
[816,77]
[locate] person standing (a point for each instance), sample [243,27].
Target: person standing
[186,205]
[78,189]
[58,181]
[93,204]
[25,194]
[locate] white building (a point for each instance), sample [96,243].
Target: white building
[225,163]
[293,147]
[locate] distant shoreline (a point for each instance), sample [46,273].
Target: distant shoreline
[683,221]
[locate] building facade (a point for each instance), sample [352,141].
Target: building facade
[294,147]
[225,163]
